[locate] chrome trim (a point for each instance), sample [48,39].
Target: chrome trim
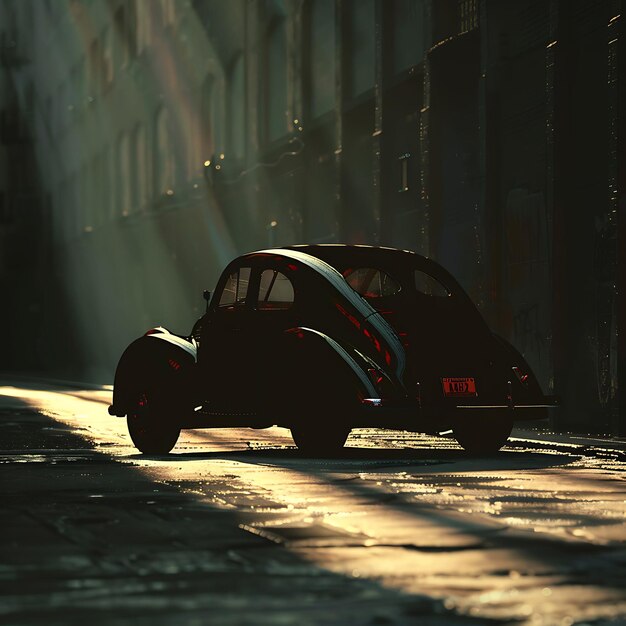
[372,401]
[343,353]
[361,304]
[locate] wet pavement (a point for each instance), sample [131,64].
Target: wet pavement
[237,527]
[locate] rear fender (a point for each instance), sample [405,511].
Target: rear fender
[159,361]
[325,364]
[514,359]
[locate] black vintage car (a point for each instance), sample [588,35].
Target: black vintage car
[321,339]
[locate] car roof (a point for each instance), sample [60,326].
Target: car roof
[342,254]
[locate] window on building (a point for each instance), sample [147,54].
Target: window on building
[108,187]
[164,170]
[210,106]
[125,20]
[168,11]
[362,49]
[95,199]
[91,194]
[77,78]
[140,183]
[120,30]
[468,15]
[49,114]
[83,214]
[62,106]
[95,67]
[131,33]
[322,56]
[408,33]
[73,224]
[104,185]
[237,108]
[5,216]
[276,85]
[451,17]
[107,59]
[144,23]
[123,178]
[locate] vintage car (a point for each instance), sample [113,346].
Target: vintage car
[322,339]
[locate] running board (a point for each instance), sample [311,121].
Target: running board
[504,406]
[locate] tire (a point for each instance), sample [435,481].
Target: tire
[484,434]
[319,440]
[150,429]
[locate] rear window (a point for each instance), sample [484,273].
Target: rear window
[371,282]
[429,286]
[275,291]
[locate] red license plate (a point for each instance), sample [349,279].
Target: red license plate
[459,386]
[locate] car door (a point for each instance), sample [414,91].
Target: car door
[225,356]
[273,311]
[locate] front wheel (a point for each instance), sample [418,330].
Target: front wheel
[483,434]
[151,431]
[318,439]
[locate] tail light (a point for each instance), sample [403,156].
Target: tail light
[376,376]
[521,375]
[381,381]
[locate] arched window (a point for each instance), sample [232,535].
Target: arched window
[144,23]
[164,171]
[276,86]
[322,59]
[96,191]
[140,167]
[168,11]
[108,201]
[106,72]
[237,109]
[361,59]
[124,180]
[212,136]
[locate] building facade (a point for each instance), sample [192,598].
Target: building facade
[157,139]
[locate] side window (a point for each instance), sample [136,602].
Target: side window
[236,288]
[275,291]
[429,286]
[371,282]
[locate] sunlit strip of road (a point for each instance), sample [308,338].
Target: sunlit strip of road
[315,497]
[343,516]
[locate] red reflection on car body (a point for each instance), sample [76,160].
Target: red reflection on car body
[348,315]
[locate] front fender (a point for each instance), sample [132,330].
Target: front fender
[158,361]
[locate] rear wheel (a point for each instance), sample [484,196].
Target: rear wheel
[149,427]
[319,439]
[484,434]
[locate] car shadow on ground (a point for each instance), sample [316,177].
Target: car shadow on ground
[355,458]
